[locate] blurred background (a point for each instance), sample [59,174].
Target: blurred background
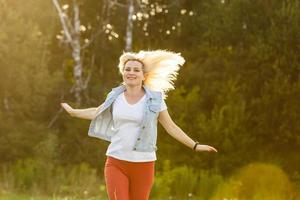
[238,91]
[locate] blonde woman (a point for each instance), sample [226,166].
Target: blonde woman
[128,120]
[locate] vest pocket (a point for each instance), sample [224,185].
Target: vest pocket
[154,108]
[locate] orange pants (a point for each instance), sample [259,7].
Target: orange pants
[128,180]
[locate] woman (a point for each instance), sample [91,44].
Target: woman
[128,120]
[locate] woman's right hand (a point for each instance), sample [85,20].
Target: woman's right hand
[68,108]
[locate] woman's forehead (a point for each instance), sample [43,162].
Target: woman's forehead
[133,63]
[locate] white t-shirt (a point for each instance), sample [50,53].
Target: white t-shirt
[126,121]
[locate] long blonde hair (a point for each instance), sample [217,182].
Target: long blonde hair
[160,66]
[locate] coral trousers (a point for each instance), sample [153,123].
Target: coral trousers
[128,180]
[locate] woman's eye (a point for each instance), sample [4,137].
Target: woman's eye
[135,70]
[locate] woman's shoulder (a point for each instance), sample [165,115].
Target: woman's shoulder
[155,94]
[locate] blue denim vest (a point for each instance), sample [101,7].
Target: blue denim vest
[102,125]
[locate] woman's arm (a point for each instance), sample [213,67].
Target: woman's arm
[176,132]
[88,113]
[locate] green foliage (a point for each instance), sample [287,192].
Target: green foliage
[33,176]
[184,182]
[163,180]
[38,197]
[257,181]
[24,172]
[208,183]
[81,180]
[238,91]
[28,85]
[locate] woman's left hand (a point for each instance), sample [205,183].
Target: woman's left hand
[202,147]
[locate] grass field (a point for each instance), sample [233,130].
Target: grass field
[28,197]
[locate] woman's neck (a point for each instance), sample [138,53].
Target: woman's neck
[134,91]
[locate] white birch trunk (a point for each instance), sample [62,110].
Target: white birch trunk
[129,27]
[76,54]
[72,37]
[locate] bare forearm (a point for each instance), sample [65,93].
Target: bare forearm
[172,129]
[88,113]
[179,135]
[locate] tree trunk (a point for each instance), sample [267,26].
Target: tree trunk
[129,27]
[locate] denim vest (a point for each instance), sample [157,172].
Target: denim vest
[102,125]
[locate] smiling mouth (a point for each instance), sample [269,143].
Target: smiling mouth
[131,78]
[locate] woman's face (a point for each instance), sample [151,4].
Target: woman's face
[133,74]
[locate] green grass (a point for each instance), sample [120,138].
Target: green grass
[21,197]
[28,197]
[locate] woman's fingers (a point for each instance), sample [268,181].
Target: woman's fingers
[213,149]
[66,107]
[206,148]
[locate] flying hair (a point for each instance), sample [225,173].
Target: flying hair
[160,67]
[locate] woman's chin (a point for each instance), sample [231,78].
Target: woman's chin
[131,83]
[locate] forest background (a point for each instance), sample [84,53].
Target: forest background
[238,91]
